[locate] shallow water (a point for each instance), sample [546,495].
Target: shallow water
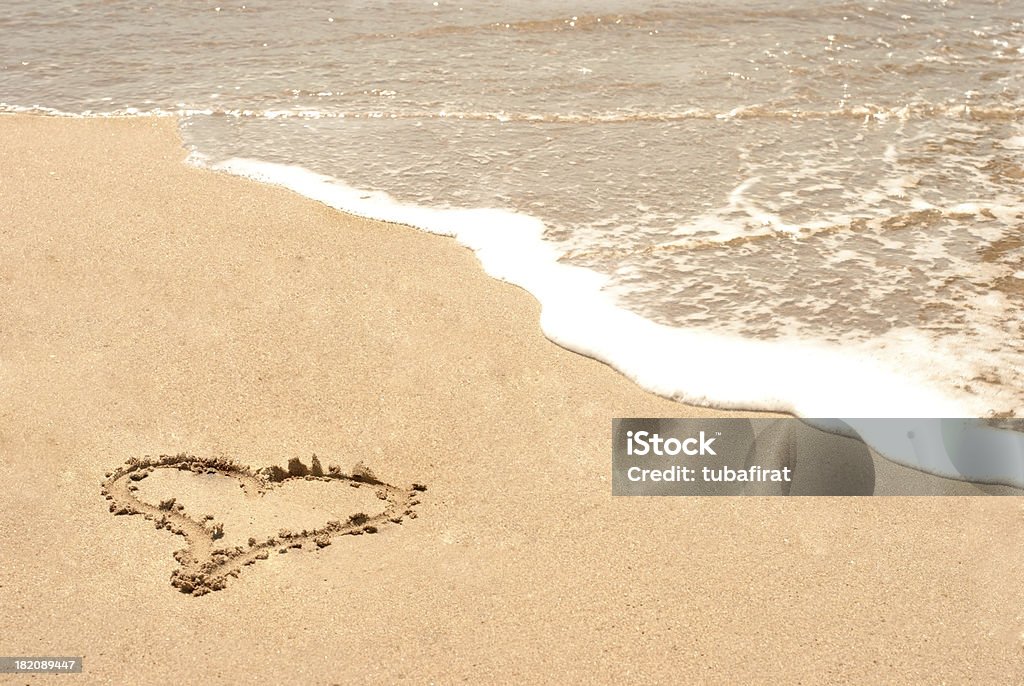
[821,201]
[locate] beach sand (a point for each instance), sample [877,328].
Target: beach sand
[149,307]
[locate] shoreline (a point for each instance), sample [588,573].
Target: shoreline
[152,307]
[736,373]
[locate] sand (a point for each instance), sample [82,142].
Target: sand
[150,308]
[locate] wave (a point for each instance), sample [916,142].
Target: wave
[805,379]
[865,112]
[802,378]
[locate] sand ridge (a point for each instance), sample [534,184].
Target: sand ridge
[205,566]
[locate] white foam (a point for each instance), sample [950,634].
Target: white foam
[1013,143]
[807,379]
[866,112]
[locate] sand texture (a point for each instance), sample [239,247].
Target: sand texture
[151,309]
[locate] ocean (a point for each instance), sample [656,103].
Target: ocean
[810,207]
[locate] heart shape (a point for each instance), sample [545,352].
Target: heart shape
[206,567]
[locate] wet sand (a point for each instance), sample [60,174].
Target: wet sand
[148,308]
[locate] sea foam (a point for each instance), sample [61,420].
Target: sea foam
[704,368]
[692,366]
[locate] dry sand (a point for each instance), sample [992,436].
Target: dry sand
[147,307]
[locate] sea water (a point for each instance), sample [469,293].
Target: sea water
[815,207]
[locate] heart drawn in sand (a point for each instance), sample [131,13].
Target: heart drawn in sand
[207,563]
